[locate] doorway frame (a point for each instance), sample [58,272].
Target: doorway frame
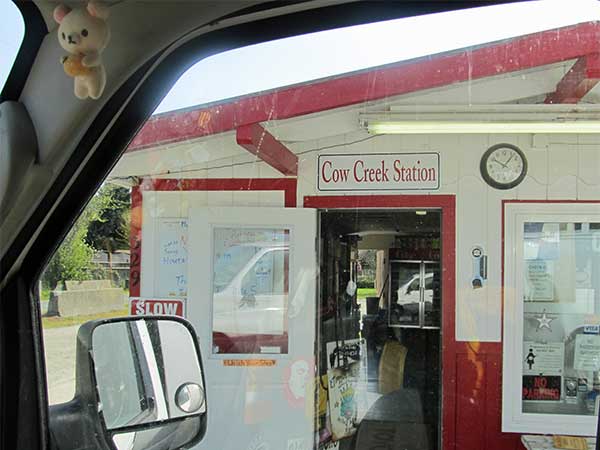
[447,205]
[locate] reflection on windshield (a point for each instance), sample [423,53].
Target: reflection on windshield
[230,265]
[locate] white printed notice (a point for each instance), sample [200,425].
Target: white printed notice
[379,172]
[587,352]
[543,358]
[539,280]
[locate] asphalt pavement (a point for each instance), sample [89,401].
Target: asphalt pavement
[59,346]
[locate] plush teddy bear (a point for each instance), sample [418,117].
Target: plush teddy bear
[84,33]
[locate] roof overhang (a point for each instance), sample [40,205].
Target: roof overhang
[547,67]
[537,50]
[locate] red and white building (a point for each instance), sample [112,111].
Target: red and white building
[283,160]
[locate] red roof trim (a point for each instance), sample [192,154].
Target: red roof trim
[521,53]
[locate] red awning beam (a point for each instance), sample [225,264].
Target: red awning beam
[578,81]
[264,145]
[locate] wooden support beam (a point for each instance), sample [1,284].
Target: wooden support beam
[578,81]
[263,144]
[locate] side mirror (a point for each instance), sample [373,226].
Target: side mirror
[139,385]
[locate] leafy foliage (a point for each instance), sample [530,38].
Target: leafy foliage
[73,259]
[110,231]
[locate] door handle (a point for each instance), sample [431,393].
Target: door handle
[422,305]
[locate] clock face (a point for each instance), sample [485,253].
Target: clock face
[503,166]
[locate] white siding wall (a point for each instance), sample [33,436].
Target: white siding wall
[561,167]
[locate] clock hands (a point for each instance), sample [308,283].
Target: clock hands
[502,164]
[508,160]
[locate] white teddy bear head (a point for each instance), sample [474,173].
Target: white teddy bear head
[82,30]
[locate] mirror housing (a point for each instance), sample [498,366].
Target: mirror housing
[138,395]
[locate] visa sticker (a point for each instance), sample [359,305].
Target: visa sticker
[591,329]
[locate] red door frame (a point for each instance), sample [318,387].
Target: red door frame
[447,204]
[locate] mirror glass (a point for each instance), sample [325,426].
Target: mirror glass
[147,370]
[170,436]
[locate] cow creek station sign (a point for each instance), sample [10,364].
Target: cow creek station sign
[379,172]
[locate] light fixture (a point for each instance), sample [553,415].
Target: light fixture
[420,212]
[500,119]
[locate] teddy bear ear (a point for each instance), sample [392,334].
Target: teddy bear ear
[98,10]
[60,12]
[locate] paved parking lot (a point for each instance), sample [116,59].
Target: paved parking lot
[59,346]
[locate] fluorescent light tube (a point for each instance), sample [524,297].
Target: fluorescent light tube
[474,127]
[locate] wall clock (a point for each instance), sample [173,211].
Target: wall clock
[503,166]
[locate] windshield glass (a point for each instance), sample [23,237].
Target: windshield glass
[283,62]
[383,234]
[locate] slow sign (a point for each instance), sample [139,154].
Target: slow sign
[379,172]
[139,306]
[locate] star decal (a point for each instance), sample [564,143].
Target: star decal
[544,321]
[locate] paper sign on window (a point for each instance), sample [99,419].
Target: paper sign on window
[539,281]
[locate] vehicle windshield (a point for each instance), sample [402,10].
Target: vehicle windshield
[386,235]
[356,48]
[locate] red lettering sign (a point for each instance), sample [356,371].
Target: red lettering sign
[379,172]
[156,307]
[541,387]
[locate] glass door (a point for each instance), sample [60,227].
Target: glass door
[432,295]
[415,294]
[405,293]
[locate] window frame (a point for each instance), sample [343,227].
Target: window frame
[516,213]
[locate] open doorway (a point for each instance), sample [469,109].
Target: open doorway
[379,327]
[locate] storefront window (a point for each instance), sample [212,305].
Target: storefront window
[557,290]
[337,239]
[561,340]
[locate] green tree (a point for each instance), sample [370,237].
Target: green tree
[368,266]
[73,259]
[110,230]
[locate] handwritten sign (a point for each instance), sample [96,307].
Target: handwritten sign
[379,172]
[171,270]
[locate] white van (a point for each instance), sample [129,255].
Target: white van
[409,296]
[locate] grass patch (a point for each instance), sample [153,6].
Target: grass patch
[366,292]
[59,322]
